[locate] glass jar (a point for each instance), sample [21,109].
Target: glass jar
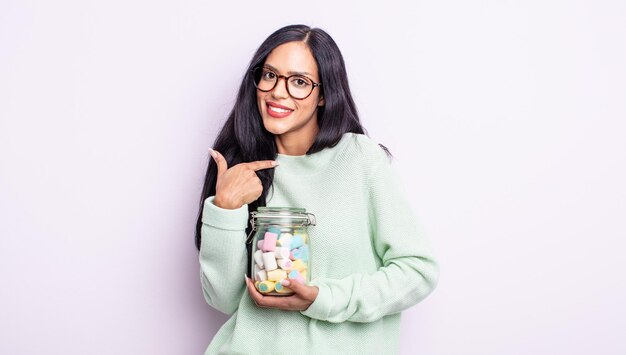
[280,248]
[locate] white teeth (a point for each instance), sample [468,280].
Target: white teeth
[276,109]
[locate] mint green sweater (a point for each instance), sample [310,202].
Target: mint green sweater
[369,258]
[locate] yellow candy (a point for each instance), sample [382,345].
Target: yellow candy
[298,265]
[282,289]
[266,286]
[276,275]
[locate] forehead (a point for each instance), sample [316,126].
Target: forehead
[292,57]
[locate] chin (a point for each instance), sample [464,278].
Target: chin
[274,128]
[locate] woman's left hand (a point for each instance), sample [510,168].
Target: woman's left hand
[301,300]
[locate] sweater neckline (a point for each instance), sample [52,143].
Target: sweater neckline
[312,163]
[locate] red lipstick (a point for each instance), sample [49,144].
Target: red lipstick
[277,111]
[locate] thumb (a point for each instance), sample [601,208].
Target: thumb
[304,291]
[222,165]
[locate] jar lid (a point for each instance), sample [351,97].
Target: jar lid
[267,215]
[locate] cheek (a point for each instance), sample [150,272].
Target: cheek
[259,102]
[309,106]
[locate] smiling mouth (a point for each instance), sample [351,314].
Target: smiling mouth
[276,111]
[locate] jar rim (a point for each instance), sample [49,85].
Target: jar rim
[281,209]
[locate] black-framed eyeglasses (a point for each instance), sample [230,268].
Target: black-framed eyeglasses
[298,86]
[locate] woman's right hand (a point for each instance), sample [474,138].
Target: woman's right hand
[238,185]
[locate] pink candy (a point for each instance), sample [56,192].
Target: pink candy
[269,241]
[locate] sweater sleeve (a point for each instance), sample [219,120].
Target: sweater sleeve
[223,255]
[408,272]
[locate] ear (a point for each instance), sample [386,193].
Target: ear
[321,102]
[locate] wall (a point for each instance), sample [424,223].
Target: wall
[506,119]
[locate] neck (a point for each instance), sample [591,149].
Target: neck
[296,143]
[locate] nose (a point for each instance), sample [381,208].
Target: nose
[280,90]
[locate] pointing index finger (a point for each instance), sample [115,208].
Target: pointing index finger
[262,164]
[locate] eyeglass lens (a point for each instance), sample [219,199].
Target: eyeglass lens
[297,86]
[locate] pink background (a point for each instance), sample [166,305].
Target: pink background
[507,120]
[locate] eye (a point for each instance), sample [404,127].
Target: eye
[268,75]
[300,81]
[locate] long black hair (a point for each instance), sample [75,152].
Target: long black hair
[244,138]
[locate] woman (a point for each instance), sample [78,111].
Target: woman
[294,131]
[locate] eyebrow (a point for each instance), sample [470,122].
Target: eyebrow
[289,72]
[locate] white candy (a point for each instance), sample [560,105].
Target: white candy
[284,264]
[261,275]
[285,239]
[258,258]
[269,259]
[282,253]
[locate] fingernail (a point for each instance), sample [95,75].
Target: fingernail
[245,278]
[285,282]
[275,163]
[212,152]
